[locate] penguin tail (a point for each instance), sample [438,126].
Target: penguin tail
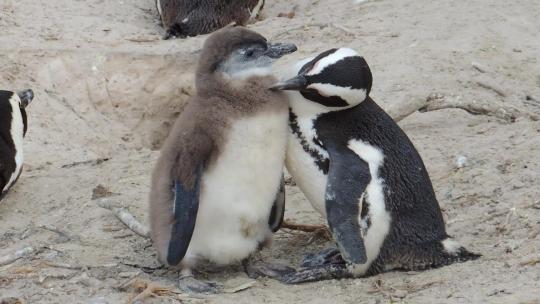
[454,252]
[431,254]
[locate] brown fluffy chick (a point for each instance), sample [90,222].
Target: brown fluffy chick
[215,185]
[184,18]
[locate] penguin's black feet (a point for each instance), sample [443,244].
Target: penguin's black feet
[275,270]
[189,284]
[324,257]
[168,35]
[317,273]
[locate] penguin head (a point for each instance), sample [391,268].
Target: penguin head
[336,79]
[25,98]
[10,102]
[238,53]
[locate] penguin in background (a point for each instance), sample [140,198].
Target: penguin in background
[13,126]
[217,188]
[362,173]
[186,18]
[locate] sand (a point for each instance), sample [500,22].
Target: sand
[108,88]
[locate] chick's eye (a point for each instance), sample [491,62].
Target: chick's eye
[250,53]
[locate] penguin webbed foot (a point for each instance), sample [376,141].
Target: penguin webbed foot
[270,270]
[325,265]
[324,257]
[189,284]
[317,273]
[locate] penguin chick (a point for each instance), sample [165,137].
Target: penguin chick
[13,126]
[360,170]
[216,187]
[185,18]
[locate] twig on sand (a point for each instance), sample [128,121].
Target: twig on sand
[491,87]
[317,230]
[436,102]
[87,162]
[531,262]
[12,257]
[305,27]
[534,233]
[64,237]
[126,217]
[300,227]
[144,290]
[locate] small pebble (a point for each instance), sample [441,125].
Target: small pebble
[461,161]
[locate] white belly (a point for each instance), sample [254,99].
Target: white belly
[17,134]
[307,175]
[238,191]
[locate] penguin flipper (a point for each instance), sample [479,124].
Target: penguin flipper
[186,206]
[348,177]
[278,208]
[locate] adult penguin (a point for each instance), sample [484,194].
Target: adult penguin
[185,18]
[13,126]
[360,170]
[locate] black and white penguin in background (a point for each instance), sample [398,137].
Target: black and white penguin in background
[217,190]
[185,18]
[13,126]
[361,171]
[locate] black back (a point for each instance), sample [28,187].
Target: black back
[7,147]
[408,192]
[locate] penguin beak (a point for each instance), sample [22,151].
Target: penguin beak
[26,97]
[277,50]
[297,83]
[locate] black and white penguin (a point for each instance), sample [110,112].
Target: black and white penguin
[217,187]
[360,170]
[185,18]
[13,126]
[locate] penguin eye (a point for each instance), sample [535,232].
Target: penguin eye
[249,53]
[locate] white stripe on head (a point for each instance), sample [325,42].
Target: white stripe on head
[256,10]
[331,59]
[350,95]
[17,134]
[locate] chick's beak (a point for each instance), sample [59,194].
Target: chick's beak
[277,50]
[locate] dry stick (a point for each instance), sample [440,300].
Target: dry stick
[491,87]
[126,217]
[437,102]
[299,227]
[10,258]
[530,262]
[320,25]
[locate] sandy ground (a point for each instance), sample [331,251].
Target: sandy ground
[107,89]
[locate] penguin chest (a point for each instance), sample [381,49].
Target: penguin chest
[239,189]
[17,135]
[306,161]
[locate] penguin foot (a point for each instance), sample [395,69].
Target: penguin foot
[275,270]
[168,35]
[324,257]
[189,284]
[317,273]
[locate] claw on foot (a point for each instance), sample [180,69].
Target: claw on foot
[268,270]
[189,284]
[324,257]
[319,273]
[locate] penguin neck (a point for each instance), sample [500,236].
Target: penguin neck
[247,93]
[304,108]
